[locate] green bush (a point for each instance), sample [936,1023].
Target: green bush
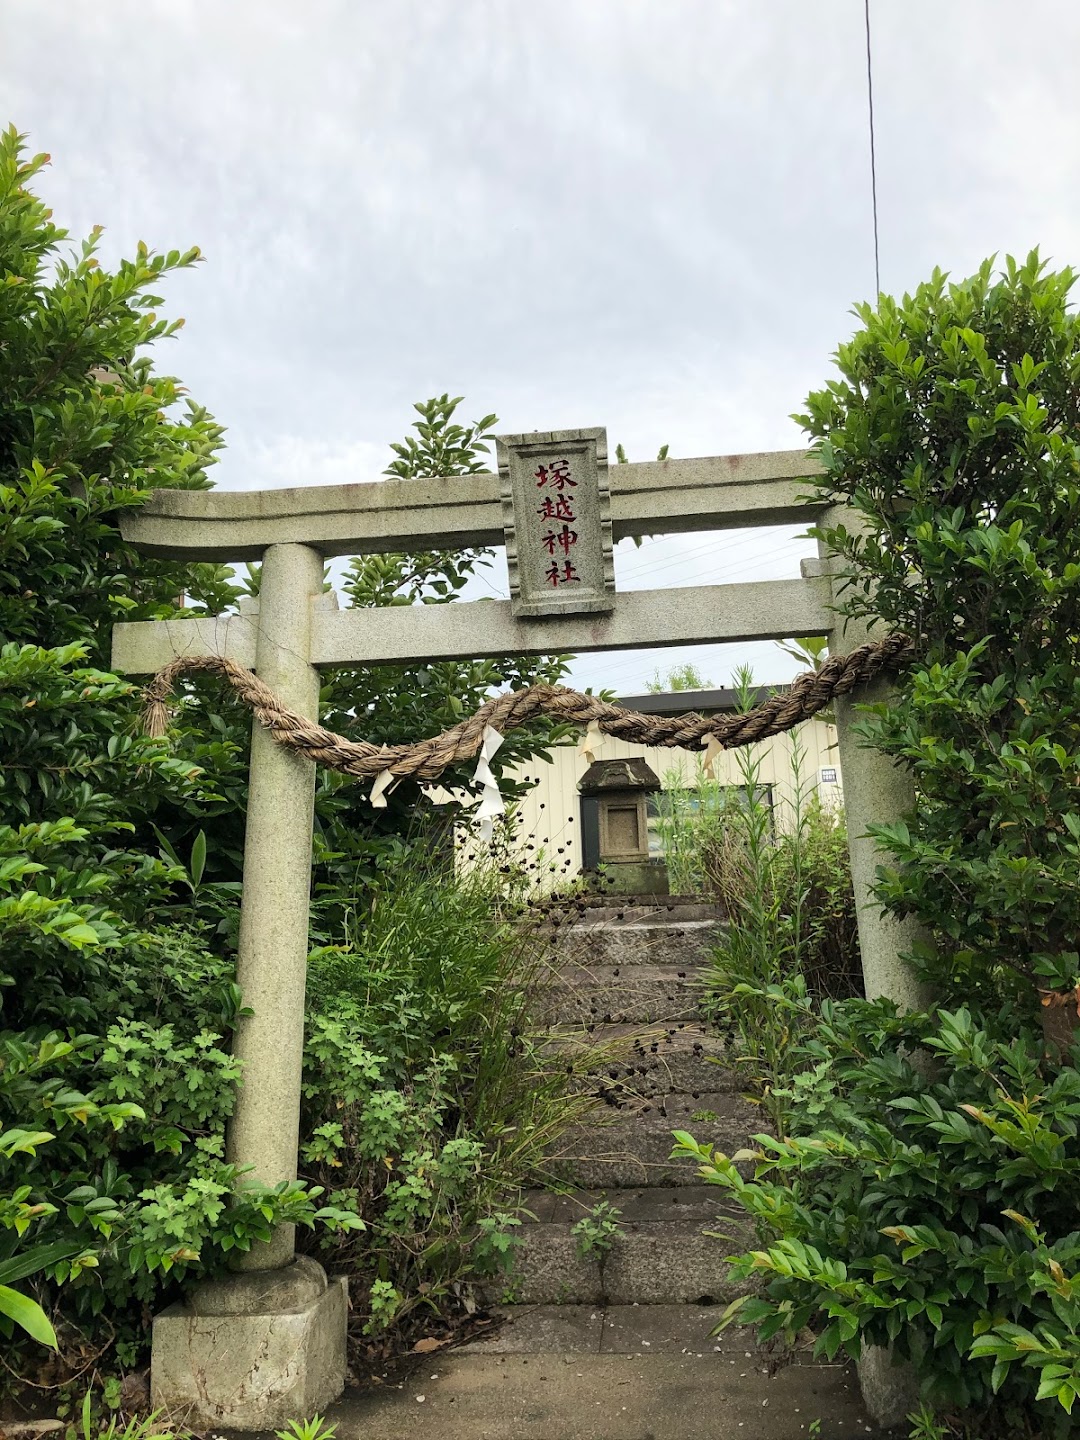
[925,1194]
[930,1205]
[428,1100]
[953,435]
[23,1088]
[126,1185]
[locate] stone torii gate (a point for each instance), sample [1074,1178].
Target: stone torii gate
[268,1342]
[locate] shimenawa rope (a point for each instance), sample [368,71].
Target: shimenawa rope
[427,759]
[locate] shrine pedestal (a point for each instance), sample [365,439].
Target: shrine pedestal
[253,1350]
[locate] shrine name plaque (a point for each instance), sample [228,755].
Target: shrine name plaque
[557,520]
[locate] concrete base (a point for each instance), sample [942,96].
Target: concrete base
[253,1350]
[634,877]
[890,1391]
[692,1395]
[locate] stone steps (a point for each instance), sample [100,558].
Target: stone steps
[702,1203]
[650,1263]
[671,910]
[687,943]
[687,1057]
[618,1330]
[634,1148]
[617,994]
[660,1254]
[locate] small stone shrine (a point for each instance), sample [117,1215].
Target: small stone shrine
[619,791]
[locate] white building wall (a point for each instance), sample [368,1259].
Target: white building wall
[550,814]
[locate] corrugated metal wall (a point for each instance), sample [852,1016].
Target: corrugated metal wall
[550,815]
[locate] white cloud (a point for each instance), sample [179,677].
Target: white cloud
[650,216]
[288,460]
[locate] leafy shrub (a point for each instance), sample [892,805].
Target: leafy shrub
[126,1181]
[953,435]
[22,1089]
[428,1099]
[790,939]
[71,890]
[931,1203]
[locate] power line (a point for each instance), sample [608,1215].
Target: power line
[712,549]
[873,155]
[721,574]
[655,567]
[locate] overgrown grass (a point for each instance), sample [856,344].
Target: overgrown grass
[429,1099]
[691,821]
[784,884]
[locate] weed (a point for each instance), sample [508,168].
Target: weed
[145,1428]
[314,1429]
[925,1425]
[384,1305]
[596,1234]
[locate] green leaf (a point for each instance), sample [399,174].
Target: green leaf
[29,1315]
[198,858]
[40,1257]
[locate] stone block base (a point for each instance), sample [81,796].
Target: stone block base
[890,1389]
[634,877]
[253,1350]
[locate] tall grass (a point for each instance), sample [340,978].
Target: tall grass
[431,1099]
[785,890]
[691,820]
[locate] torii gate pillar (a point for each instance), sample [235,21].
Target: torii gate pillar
[267,1344]
[273,944]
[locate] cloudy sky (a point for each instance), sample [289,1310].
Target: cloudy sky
[648,214]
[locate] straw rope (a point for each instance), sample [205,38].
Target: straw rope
[427,759]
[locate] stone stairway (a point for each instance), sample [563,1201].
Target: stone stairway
[623,1351]
[625,988]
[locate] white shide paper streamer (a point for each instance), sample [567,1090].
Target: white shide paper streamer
[713,748]
[594,738]
[384,782]
[491,800]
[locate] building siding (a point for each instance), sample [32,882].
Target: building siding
[549,816]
